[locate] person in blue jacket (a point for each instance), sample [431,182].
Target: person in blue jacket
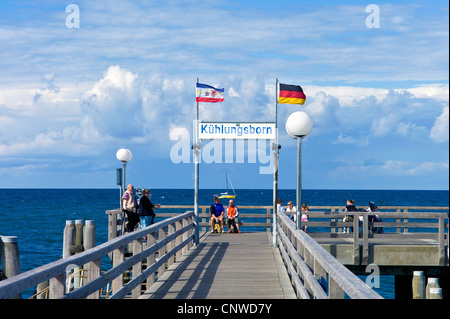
[217,211]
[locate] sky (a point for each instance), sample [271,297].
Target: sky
[80,80]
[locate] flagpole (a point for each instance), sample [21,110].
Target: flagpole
[196,148]
[275,172]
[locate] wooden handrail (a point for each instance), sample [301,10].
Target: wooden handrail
[179,237]
[306,259]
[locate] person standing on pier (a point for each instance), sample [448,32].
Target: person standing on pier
[129,207]
[291,211]
[305,217]
[280,208]
[146,213]
[217,211]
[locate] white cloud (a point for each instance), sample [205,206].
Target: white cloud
[330,42]
[323,109]
[435,91]
[440,131]
[384,125]
[411,131]
[362,141]
[115,104]
[415,169]
[124,106]
[145,111]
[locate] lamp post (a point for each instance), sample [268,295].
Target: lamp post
[299,125]
[124,155]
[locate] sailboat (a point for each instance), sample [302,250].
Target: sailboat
[226,195]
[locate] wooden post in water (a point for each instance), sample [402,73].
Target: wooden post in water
[418,285]
[79,235]
[69,238]
[432,283]
[89,235]
[78,248]
[10,257]
[435,293]
[41,287]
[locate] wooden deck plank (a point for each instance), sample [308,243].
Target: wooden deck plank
[239,266]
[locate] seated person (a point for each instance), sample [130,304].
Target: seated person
[349,218]
[216,210]
[232,216]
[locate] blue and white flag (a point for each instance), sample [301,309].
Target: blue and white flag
[208,93]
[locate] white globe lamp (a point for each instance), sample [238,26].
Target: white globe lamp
[299,124]
[124,155]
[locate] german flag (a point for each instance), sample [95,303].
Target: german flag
[291,94]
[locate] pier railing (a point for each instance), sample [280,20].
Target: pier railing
[315,273]
[398,222]
[167,240]
[251,216]
[394,223]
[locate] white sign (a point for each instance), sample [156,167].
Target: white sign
[236,131]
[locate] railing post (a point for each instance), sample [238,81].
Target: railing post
[93,267]
[334,290]
[319,272]
[170,245]
[185,235]
[356,252]
[191,232]
[204,219]
[57,287]
[441,241]
[333,221]
[178,240]
[162,252]
[151,240]
[118,256]
[137,268]
[365,247]
[398,220]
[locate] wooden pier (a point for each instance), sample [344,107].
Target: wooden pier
[231,266]
[160,261]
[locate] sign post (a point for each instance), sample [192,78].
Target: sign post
[236,131]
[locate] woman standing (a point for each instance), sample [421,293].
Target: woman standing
[291,211]
[305,217]
[146,213]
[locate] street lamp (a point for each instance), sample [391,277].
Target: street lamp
[124,155]
[299,125]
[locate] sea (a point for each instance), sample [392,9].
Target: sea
[38,216]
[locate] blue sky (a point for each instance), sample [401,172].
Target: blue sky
[71,97]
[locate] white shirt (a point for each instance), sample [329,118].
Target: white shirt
[280,209]
[292,212]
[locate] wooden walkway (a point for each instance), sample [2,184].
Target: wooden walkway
[238,266]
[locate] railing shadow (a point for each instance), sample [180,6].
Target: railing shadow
[201,276]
